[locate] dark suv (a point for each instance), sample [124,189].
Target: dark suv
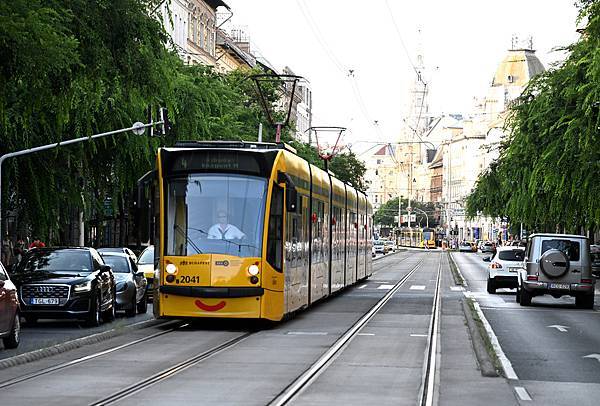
[557,264]
[65,283]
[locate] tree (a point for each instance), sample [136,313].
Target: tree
[547,172]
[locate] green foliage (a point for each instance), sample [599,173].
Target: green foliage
[387,211]
[74,68]
[547,173]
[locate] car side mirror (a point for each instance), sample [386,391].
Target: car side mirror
[487,259]
[2,283]
[105,268]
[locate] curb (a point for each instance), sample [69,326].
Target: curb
[483,359]
[36,355]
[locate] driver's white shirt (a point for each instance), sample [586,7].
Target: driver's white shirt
[230,232]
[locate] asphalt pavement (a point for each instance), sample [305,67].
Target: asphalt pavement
[553,347]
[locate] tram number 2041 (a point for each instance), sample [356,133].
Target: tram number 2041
[188,279]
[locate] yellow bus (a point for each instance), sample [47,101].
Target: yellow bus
[250,230]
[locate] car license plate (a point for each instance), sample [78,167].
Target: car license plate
[513,269]
[44,300]
[564,286]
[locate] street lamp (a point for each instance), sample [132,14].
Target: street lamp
[137,128]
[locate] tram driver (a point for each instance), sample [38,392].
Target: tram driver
[222,230]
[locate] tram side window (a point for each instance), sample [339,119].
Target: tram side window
[275,236]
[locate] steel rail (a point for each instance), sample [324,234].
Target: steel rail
[168,372]
[426,395]
[304,380]
[77,361]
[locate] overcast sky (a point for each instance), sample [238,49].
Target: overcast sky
[463,43]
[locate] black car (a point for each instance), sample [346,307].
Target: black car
[131,283]
[70,283]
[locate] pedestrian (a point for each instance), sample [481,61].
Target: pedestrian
[19,249]
[7,251]
[37,243]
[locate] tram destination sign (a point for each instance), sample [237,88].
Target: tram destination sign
[214,161]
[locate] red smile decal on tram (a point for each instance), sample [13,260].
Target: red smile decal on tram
[209,308]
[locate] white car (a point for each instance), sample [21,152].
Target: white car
[379,246]
[503,268]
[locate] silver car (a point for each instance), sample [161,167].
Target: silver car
[503,268]
[131,283]
[558,265]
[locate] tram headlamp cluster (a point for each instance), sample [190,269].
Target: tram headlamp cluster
[253,270]
[171,269]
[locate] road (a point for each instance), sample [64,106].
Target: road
[384,363]
[554,348]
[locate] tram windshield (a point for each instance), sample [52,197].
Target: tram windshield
[215,214]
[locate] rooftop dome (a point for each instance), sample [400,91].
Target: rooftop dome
[517,68]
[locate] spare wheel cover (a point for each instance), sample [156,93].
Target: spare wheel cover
[554,263]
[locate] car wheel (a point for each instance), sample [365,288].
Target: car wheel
[584,301]
[31,320]
[525,298]
[491,286]
[94,315]
[142,306]
[111,314]
[12,340]
[130,312]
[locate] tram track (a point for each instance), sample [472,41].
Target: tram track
[64,365]
[168,372]
[426,393]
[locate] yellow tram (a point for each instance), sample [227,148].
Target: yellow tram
[251,230]
[417,237]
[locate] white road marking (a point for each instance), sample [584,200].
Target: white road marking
[595,356]
[362,286]
[562,329]
[418,335]
[307,333]
[366,334]
[457,288]
[522,393]
[386,287]
[417,287]
[506,365]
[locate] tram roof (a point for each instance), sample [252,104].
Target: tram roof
[245,145]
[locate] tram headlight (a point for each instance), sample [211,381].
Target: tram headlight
[253,270]
[171,269]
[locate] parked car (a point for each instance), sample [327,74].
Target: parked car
[10,323]
[123,250]
[379,246]
[595,258]
[488,246]
[131,283]
[465,247]
[65,283]
[390,246]
[503,268]
[558,265]
[146,265]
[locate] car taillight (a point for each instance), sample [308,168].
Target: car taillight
[532,277]
[586,281]
[496,265]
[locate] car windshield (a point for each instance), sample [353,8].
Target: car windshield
[215,213]
[570,248]
[57,260]
[117,263]
[147,256]
[511,255]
